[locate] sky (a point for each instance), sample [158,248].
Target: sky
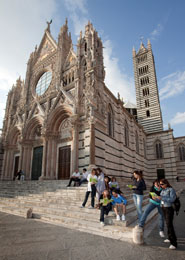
[121,24]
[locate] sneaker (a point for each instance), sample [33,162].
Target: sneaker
[82,206]
[123,218]
[117,217]
[102,224]
[166,241]
[90,207]
[161,234]
[172,247]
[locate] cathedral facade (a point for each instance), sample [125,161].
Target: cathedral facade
[63,117]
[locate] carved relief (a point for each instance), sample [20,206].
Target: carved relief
[66,129]
[47,49]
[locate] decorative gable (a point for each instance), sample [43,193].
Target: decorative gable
[47,47]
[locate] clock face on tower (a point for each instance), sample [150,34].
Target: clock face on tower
[43,83]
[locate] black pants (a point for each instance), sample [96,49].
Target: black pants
[73,179]
[168,216]
[93,194]
[82,181]
[104,210]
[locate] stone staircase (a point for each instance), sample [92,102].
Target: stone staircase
[53,202]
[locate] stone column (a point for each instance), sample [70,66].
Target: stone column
[21,156]
[44,159]
[49,153]
[53,159]
[28,162]
[92,145]
[75,144]
[4,165]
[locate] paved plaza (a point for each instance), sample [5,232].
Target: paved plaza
[29,239]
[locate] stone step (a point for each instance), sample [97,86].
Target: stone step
[116,232]
[61,201]
[65,210]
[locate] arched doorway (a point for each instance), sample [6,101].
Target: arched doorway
[33,148]
[59,136]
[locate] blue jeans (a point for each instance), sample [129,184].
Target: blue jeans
[138,199]
[151,206]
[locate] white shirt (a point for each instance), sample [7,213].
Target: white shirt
[85,174]
[76,174]
[89,183]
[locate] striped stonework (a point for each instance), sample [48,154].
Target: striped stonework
[147,96]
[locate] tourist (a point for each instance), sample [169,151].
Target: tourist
[75,177]
[100,187]
[84,177]
[113,184]
[18,176]
[154,202]
[22,175]
[91,188]
[119,204]
[105,205]
[138,188]
[167,197]
[107,180]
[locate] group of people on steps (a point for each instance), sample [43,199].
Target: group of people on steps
[110,197]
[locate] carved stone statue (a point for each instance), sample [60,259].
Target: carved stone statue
[48,27]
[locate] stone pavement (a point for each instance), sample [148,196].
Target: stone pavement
[29,239]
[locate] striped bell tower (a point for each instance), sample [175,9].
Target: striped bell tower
[147,95]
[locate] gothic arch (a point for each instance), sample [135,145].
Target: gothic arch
[31,127]
[110,121]
[56,117]
[158,148]
[13,135]
[181,152]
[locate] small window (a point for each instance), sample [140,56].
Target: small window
[148,113]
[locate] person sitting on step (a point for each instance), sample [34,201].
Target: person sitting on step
[91,188]
[105,205]
[84,177]
[113,184]
[75,177]
[119,204]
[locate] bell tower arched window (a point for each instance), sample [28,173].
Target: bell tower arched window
[110,119]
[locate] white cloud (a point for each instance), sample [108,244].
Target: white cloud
[179,118]
[22,24]
[174,84]
[156,32]
[78,12]
[116,80]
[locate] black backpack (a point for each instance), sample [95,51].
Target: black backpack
[177,205]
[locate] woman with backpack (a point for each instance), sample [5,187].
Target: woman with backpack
[167,198]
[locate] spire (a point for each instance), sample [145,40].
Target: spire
[133,52]
[149,46]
